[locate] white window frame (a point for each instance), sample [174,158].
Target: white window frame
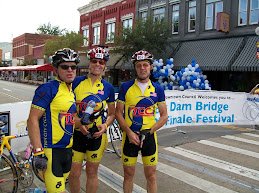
[110,32]
[159,15]
[250,14]
[86,35]
[127,20]
[214,4]
[96,33]
[247,12]
[192,6]
[175,11]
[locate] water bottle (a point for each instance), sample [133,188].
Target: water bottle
[88,111]
[37,190]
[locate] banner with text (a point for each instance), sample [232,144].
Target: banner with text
[193,107]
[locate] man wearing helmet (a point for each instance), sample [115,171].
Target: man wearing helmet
[51,121]
[135,112]
[87,88]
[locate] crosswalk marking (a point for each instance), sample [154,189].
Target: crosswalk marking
[250,134]
[114,180]
[229,148]
[234,168]
[190,179]
[241,139]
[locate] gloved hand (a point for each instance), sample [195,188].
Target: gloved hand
[144,134]
[40,161]
[95,115]
[92,130]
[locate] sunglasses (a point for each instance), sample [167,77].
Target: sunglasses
[66,67]
[101,62]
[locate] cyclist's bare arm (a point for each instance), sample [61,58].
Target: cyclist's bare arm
[133,137]
[163,117]
[33,127]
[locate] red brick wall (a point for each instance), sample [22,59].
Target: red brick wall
[22,45]
[112,11]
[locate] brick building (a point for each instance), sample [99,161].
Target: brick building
[23,46]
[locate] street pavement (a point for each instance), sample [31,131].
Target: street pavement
[222,159]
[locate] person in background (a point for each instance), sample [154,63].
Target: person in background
[51,121]
[92,88]
[135,112]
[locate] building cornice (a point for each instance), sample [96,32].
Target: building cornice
[158,5]
[96,5]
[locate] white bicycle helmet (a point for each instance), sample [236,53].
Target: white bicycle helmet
[98,53]
[64,55]
[142,55]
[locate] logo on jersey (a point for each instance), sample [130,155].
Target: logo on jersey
[59,184]
[152,159]
[144,108]
[40,97]
[90,96]
[94,156]
[153,94]
[101,92]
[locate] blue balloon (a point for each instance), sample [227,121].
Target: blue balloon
[203,86]
[169,61]
[193,85]
[193,64]
[193,60]
[185,86]
[194,77]
[191,79]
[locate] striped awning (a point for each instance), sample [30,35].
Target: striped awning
[247,61]
[211,55]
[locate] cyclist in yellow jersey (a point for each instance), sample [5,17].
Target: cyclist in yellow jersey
[135,112]
[88,88]
[51,121]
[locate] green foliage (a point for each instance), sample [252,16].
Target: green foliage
[29,61]
[70,40]
[152,36]
[47,29]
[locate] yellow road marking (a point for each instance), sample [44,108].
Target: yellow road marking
[236,128]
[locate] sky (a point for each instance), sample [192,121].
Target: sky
[19,17]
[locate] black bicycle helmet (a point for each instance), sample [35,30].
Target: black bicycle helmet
[64,55]
[142,55]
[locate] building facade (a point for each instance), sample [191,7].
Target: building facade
[23,46]
[218,34]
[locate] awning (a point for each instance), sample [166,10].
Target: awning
[41,67]
[211,55]
[247,60]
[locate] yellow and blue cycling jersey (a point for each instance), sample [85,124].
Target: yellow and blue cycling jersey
[57,122]
[140,110]
[101,92]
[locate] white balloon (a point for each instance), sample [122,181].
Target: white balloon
[194,81]
[188,83]
[197,84]
[160,77]
[189,66]
[168,66]
[189,73]
[160,60]
[181,88]
[162,70]
[164,67]
[197,65]
[206,81]
[171,83]
[193,69]
[160,81]
[172,59]
[205,77]
[172,65]
[172,77]
[188,78]
[185,74]
[155,69]
[198,80]
[166,88]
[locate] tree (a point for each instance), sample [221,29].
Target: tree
[29,61]
[70,40]
[151,35]
[47,29]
